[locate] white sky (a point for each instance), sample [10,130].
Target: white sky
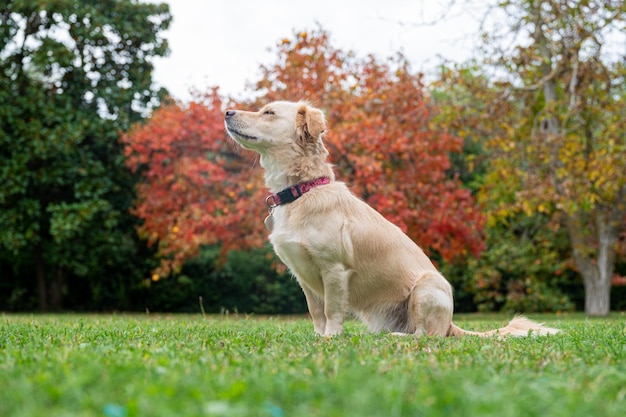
[223,42]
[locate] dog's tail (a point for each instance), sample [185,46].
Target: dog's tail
[520,326]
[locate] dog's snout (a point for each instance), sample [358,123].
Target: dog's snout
[230,113]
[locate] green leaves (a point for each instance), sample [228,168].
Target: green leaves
[564,155]
[68,221]
[19,227]
[73,74]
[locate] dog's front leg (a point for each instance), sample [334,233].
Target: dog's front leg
[335,281]
[316,309]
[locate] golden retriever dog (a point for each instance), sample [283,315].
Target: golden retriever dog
[345,255]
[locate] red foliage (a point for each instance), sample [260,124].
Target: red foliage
[197,189]
[381,137]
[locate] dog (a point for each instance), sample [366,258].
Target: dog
[344,254]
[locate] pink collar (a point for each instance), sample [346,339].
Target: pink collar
[294,192]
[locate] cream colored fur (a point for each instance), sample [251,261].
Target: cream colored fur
[344,254]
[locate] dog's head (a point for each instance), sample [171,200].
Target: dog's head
[277,125]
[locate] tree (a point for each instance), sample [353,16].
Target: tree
[525,266]
[560,149]
[382,139]
[196,189]
[73,74]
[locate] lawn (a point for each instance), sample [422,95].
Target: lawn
[185,365]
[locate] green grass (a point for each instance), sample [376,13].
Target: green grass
[123,366]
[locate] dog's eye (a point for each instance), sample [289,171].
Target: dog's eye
[269,112]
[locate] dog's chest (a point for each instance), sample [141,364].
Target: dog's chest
[282,237]
[294,254]
[297,250]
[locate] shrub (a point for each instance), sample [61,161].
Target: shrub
[246,282]
[524,269]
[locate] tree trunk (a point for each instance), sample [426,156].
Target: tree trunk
[593,247]
[57,287]
[49,291]
[40,273]
[597,295]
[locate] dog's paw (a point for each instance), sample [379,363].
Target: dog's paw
[333,330]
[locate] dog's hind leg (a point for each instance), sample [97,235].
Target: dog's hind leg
[431,305]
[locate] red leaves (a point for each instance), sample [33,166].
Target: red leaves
[383,140]
[196,189]
[381,137]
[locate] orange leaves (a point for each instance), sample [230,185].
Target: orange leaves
[383,139]
[194,183]
[382,136]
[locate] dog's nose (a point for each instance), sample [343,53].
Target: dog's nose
[230,113]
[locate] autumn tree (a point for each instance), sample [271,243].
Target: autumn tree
[524,266]
[197,188]
[558,140]
[72,75]
[381,136]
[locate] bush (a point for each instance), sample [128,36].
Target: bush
[533,295]
[524,269]
[247,282]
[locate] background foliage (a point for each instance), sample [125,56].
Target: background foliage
[72,75]
[506,170]
[246,281]
[382,138]
[559,149]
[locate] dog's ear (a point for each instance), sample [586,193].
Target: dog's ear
[310,124]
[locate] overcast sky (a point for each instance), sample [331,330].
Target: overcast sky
[223,42]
